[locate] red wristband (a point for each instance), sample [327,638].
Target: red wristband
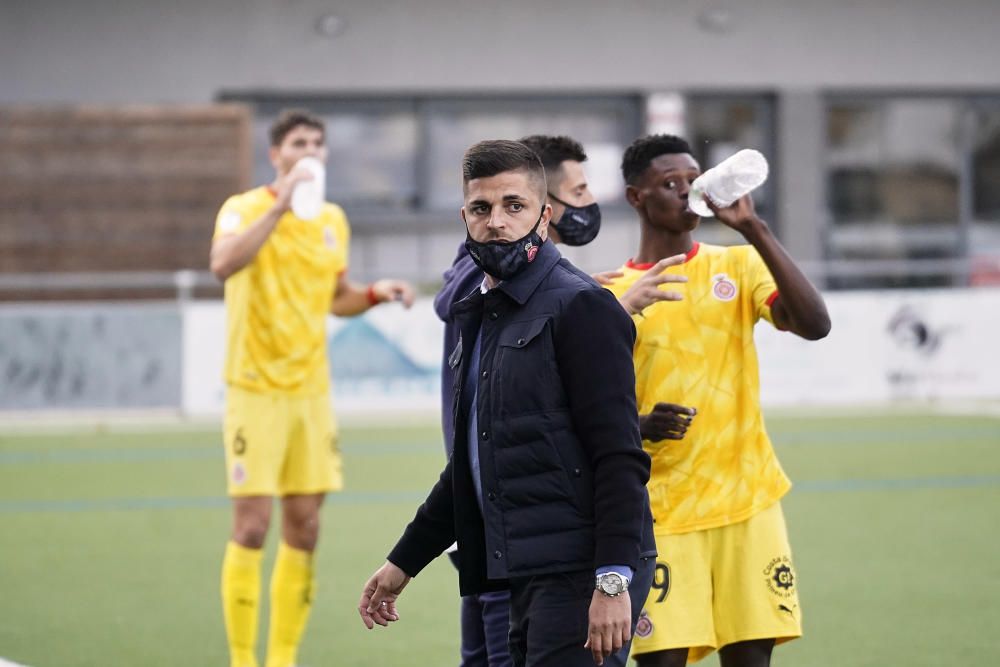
[373,299]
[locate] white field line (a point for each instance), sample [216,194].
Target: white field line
[8,663]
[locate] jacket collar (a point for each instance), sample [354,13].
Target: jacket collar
[522,286]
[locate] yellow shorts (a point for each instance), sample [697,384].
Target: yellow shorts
[720,586]
[278,445]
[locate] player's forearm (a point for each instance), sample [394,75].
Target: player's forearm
[801,305]
[351,299]
[232,253]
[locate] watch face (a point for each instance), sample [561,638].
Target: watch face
[611,584]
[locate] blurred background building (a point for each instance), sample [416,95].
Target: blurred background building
[123,127]
[881,119]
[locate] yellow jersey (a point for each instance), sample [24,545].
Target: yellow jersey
[277,305]
[700,353]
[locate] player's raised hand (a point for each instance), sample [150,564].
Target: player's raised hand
[740,215]
[378,598]
[286,185]
[394,290]
[606,277]
[646,290]
[667,421]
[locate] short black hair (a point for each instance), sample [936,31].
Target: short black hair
[553,151]
[289,119]
[646,149]
[496,156]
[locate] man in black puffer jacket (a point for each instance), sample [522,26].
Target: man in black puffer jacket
[545,491]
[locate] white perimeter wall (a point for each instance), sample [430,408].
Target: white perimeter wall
[889,346]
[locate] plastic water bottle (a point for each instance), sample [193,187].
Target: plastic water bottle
[726,182]
[308,196]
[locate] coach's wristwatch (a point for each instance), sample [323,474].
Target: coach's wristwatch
[612,584]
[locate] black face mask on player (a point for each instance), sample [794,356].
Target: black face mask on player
[578,225]
[505,259]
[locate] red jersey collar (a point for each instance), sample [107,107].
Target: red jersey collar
[646,267]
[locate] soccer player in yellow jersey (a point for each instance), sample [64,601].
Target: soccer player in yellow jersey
[724,576]
[283,275]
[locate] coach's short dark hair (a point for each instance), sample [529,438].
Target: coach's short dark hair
[496,156]
[553,151]
[646,149]
[289,119]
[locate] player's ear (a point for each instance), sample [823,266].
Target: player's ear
[633,196]
[272,154]
[461,212]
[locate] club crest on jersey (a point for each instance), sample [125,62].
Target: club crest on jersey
[329,239]
[723,287]
[531,249]
[239,473]
[644,626]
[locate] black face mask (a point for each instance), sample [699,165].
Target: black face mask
[505,259]
[578,226]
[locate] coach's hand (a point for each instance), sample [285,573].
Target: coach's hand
[646,290]
[378,599]
[667,421]
[610,624]
[394,290]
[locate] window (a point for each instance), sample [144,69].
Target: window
[603,125]
[985,144]
[720,125]
[893,183]
[401,156]
[372,151]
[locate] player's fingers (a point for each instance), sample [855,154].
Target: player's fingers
[607,277]
[299,175]
[665,263]
[662,295]
[404,294]
[409,295]
[671,411]
[674,407]
[667,278]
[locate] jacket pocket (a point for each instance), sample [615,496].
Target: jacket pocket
[520,334]
[523,375]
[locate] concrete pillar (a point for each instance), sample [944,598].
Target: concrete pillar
[801,140]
